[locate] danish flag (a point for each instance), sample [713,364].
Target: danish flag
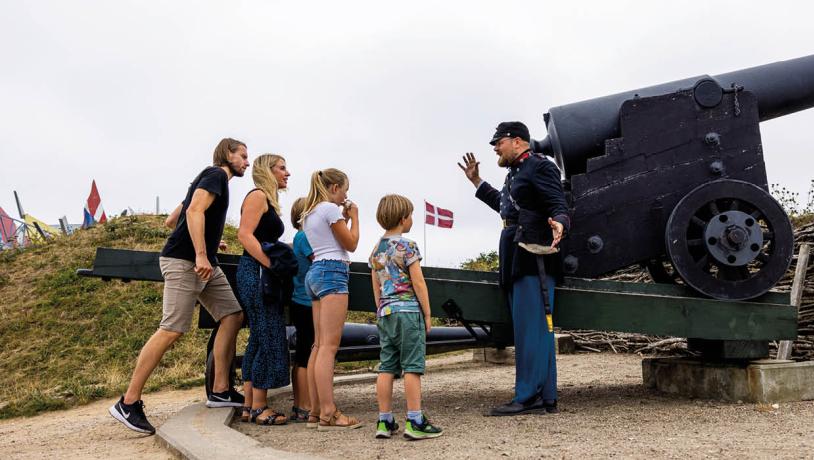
[440,217]
[94,212]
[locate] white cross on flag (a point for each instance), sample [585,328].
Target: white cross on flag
[439,217]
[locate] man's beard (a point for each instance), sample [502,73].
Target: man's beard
[502,162]
[236,172]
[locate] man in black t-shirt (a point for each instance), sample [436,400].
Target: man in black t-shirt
[189,265]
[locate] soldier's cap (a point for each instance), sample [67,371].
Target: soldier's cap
[510,129]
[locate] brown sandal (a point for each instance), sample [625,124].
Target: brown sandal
[246,415]
[333,422]
[313,420]
[272,418]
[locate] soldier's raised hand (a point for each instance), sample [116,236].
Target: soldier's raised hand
[470,168]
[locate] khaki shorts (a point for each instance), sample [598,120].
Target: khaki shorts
[182,287]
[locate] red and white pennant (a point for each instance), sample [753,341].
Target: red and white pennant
[439,217]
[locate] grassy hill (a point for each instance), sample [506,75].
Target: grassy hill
[66,340]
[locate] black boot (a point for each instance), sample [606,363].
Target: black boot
[550,406]
[533,406]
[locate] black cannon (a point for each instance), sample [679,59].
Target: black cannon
[359,341]
[672,176]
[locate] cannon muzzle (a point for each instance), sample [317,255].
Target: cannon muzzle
[578,131]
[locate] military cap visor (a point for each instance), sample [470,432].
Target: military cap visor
[499,136]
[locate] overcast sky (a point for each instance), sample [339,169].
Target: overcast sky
[137,94]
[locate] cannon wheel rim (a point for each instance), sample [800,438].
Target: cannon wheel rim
[690,253]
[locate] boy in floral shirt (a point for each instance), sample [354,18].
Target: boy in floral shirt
[403,312]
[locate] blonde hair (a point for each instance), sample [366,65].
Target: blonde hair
[220,157]
[392,209]
[264,179]
[318,191]
[296,212]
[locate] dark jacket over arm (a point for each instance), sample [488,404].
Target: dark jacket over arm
[499,202]
[488,195]
[537,190]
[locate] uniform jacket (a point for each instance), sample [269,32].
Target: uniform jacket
[532,192]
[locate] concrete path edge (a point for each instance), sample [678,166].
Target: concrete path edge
[200,433]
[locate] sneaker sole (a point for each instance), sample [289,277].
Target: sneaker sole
[383,435]
[339,428]
[120,417]
[216,404]
[415,437]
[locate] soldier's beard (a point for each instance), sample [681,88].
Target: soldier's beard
[502,162]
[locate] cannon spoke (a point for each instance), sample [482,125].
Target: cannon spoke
[713,208]
[734,205]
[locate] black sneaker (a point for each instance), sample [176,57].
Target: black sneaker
[385,429]
[230,398]
[424,430]
[132,415]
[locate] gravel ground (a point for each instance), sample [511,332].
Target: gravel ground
[606,412]
[90,432]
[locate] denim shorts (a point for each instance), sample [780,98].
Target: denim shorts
[326,277]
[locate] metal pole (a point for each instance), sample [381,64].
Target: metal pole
[19,206]
[156,206]
[22,215]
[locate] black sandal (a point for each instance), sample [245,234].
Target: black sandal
[275,418]
[298,415]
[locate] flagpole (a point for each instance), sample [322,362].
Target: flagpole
[425,231]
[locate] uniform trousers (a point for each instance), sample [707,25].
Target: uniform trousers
[535,360]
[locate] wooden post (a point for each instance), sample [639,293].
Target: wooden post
[63,225]
[797,286]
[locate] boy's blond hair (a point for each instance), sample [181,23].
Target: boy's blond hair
[392,209]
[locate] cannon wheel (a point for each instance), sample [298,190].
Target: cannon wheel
[730,240]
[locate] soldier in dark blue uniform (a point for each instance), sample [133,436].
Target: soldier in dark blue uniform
[535,217]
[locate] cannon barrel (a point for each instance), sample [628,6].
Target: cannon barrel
[578,131]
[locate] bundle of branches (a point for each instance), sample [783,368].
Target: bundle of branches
[804,345]
[618,342]
[637,343]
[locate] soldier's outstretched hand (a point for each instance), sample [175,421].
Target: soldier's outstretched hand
[556,230]
[470,168]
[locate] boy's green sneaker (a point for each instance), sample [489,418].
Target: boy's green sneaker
[425,430]
[385,429]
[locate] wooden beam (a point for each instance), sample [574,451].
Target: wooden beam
[797,286]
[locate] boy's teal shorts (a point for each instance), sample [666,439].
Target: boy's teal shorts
[403,341]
